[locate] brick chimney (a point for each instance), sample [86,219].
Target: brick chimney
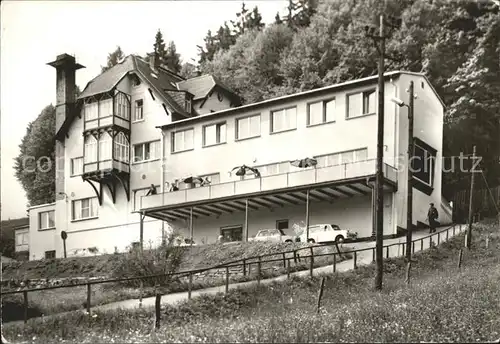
[66,67]
[154,61]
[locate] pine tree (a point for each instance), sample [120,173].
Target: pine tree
[159,47]
[207,53]
[172,59]
[277,19]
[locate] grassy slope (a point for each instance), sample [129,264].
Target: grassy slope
[442,304]
[61,300]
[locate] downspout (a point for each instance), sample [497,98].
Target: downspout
[395,215]
[162,180]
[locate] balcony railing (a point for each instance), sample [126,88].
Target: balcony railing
[267,183]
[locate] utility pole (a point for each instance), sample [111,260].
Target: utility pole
[409,202]
[469,229]
[379,192]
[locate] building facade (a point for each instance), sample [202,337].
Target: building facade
[127,146]
[335,125]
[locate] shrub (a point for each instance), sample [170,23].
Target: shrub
[163,260]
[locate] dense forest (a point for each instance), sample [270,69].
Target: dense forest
[456,44]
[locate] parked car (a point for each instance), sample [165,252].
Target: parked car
[326,233]
[274,235]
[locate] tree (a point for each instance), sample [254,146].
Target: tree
[172,58]
[113,59]
[211,46]
[188,71]
[277,19]
[35,164]
[159,47]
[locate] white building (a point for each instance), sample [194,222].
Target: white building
[111,142]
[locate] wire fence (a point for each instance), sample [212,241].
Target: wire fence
[246,265]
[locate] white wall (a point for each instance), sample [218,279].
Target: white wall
[213,103]
[41,240]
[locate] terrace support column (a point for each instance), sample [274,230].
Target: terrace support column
[307,215]
[141,229]
[246,221]
[191,227]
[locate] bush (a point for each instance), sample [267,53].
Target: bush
[163,260]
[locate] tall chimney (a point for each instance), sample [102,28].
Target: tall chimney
[66,67]
[154,61]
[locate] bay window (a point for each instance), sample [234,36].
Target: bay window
[90,149]
[122,148]
[105,147]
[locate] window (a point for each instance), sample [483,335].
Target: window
[91,111]
[285,119]
[85,208]
[213,178]
[147,151]
[122,148]
[422,165]
[50,254]
[105,147]
[359,104]
[321,112]
[46,220]
[188,104]
[138,110]
[282,224]
[183,140]
[90,149]
[76,166]
[135,80]
[233,233]
[122,106]
[106,108]
[214,134]
[151,93]
[22,238]
[248,127]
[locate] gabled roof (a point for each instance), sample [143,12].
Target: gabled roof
[201,86]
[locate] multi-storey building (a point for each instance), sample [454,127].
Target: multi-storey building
[127,146]
[335,125]
[108,151]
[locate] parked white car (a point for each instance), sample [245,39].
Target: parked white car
[274,235]
[326,233]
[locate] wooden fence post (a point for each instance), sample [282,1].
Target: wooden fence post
[295,257]
[439,236]
[284,260]
[140,293]
[460,258]
[190,285]
[447,233]
[157,309]
[288,268]
[421,244]
[355,258]
[430,241]
[408,268]
[387,252]
[334,262]
[373,254]
[320,294]
[244,267]
[25,297]
[258,271]
[311,262]
[227,279]
[413,247]
[403,248]
[89,291]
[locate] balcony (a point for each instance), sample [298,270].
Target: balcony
[336,181]
[110,110]
[109,173]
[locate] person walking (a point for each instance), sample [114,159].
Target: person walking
[432,216]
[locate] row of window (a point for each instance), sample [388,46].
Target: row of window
[100,149]
[320,112]
[104,108]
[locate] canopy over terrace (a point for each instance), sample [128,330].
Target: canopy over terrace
[330,184]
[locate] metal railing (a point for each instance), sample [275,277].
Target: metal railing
[276,181]
[247,263]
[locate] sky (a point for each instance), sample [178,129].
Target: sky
[35,32]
